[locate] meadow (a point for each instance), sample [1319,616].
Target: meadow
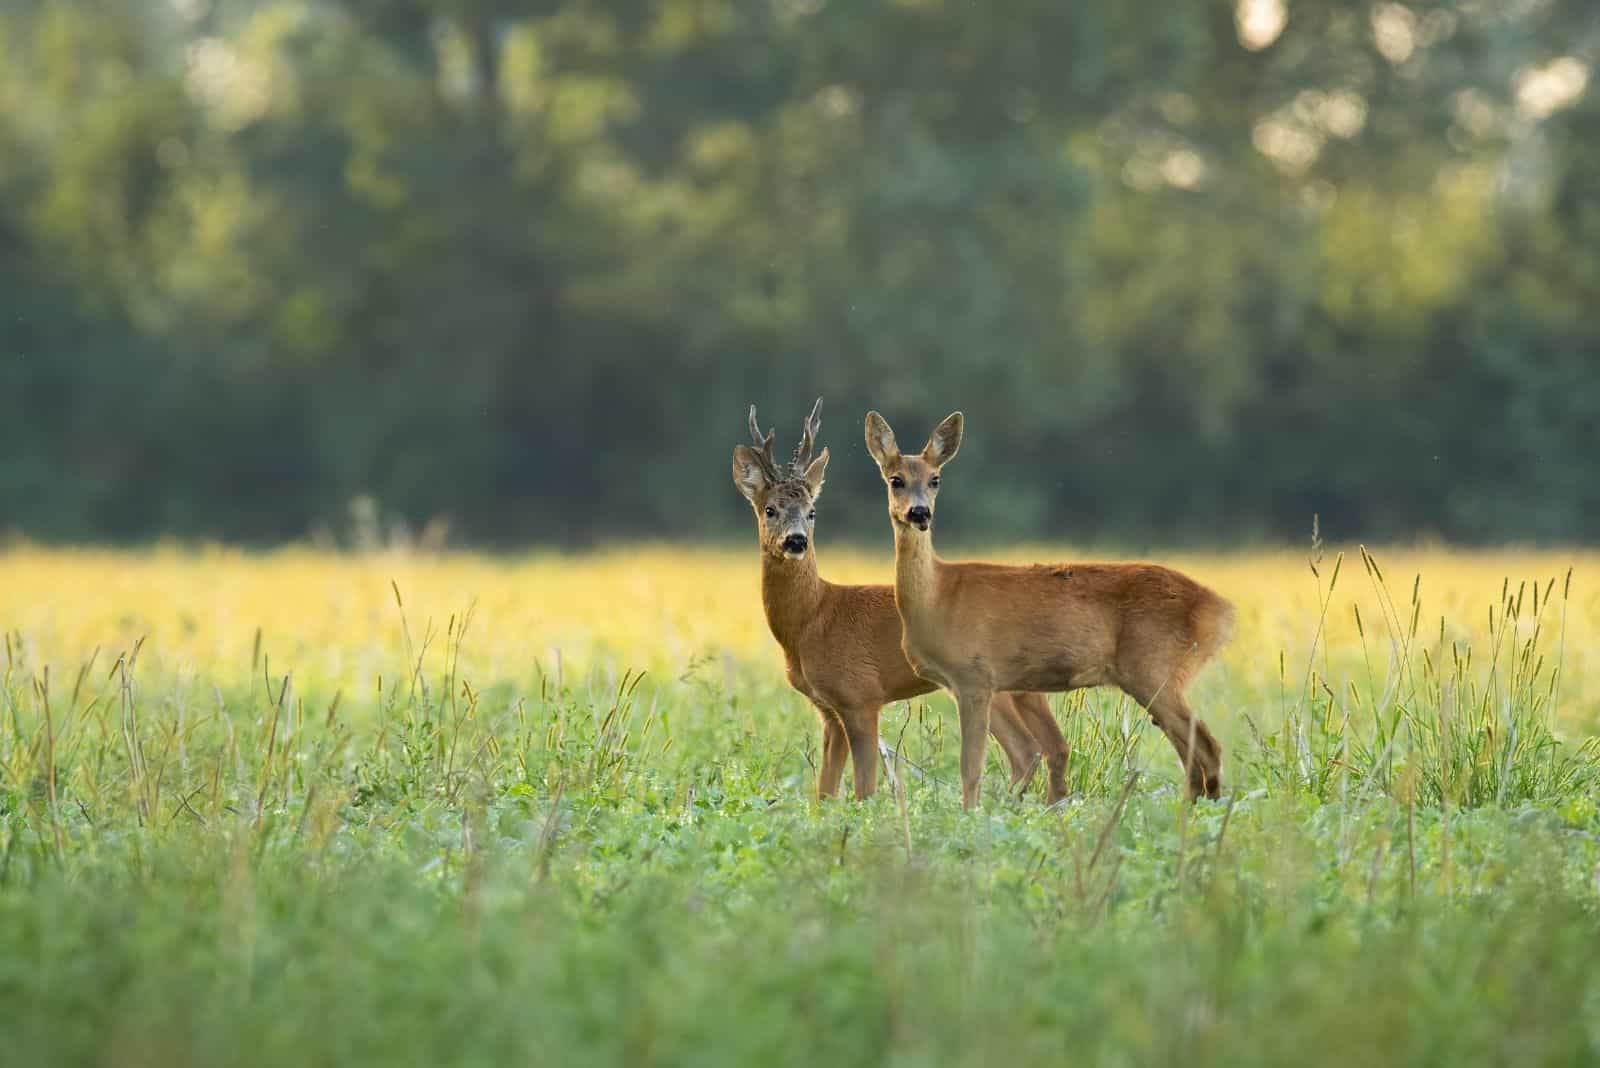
[389,807]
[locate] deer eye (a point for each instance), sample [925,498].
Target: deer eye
[811,516]
[771,512]
[897,482]
[933,483]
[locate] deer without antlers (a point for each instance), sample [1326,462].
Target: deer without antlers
[975,628]
[842,643]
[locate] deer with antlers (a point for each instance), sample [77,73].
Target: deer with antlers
[842,644]
[975,628]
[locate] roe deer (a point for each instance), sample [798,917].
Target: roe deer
[976,628]
[842,643]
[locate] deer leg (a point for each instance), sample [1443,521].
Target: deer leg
[861,726]
[834,750]
[1011,730]
[1035,708]
[1198,750]
[974,708]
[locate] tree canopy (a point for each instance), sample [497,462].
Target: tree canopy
[1194,272]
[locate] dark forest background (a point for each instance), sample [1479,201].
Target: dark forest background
[1194,271]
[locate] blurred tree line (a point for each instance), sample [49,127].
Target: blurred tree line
[1193,271]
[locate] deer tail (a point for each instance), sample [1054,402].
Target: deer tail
[1210,625]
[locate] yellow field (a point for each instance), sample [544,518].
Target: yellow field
[333,620]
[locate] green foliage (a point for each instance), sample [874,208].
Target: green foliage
[625,869]
[494,262]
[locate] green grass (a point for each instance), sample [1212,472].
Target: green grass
[221,869]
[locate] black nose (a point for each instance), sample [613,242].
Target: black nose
[919,515]
[794,543]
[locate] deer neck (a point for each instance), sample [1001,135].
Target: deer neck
[791,592]
[914,562]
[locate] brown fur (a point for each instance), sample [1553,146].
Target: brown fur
[976,628]
[842,644]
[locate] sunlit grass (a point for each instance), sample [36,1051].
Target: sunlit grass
[334,619]
[400,808]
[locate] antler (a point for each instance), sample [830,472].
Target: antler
[764,456]
[808,440]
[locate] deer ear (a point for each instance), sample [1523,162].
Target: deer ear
[813,475]
[945,440]
[880,439]
[748,474]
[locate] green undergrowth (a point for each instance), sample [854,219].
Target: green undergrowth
[626,869]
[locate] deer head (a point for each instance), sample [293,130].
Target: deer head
[784,499]
[913,481]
